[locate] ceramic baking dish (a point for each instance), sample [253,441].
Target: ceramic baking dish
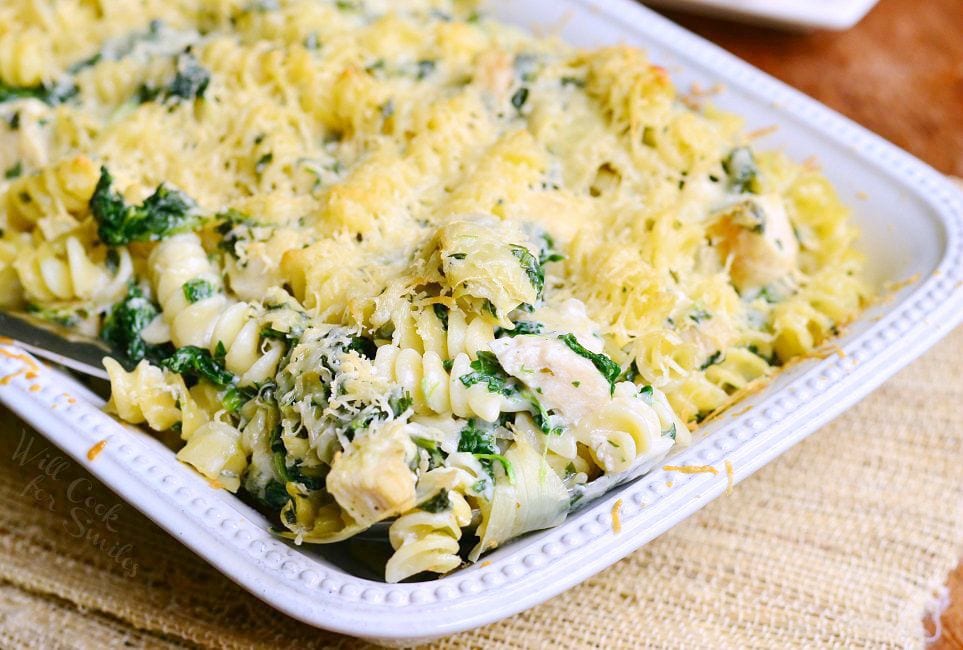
[912,224]
[788,14]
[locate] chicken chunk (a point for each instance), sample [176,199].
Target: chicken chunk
[371,480]
[565,382]
[756,238]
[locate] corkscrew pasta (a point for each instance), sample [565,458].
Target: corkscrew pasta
[396,272]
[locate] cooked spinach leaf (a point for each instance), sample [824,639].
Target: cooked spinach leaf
[163,213]
[487,370]
[522,327]
[608,368]
[740,167]
[197,289]
[532,268]
[123,326]
[438,503]
[197,363]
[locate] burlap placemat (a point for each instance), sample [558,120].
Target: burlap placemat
[844,542]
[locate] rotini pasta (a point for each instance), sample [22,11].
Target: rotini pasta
[151,395]
[434,389]
[427,539]
[64,271]
[57,193]
[396,265]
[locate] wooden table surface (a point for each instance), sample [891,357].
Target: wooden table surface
[900,73]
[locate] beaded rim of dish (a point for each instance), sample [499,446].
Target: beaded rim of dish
[304,586]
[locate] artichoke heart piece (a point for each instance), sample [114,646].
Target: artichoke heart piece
[372,479]
[490,265]
[534,500]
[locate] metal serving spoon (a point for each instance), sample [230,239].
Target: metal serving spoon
[57,344]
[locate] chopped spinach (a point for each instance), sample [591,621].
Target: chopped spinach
[522,327]
[631,372]
[312,478]
[441,312]
[740,167]
[291,337]
[400,403]
[197,363]
[608,368]
[436,457]
[275,495]
[263,162]
[363,346]
[191,80]
[438,503]
[234,398]
[63,316]
[572,81]
[49,94]
[699,314]
[477,440]
[480,442]
[123,326]
[425,68]
[505,463]
[487,370]
[548,253]
[532,268]
[519,98]
[198,289]
[714,358]
[771,359]
[14,171]
[540,414]
[163,213]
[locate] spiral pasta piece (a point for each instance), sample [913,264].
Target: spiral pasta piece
[152,395]
[173,263]
[209,320]
[436,390]
[11,292]
[628,430]
[26,58]
[247,355]
[59,191]
[449,333]
[50,275]
[737,369]
[428,541]
[808,318]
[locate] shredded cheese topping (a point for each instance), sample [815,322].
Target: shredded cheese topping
[382,261]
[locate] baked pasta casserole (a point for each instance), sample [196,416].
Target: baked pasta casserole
[397,263]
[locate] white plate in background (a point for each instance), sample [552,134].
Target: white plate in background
[791,14]
[912,224]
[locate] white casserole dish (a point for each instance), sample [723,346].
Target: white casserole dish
[788,14]
[912,224]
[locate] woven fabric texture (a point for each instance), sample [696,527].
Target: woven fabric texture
[842,542]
